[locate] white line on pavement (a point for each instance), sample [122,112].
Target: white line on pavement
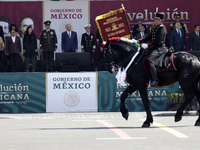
[132,138]
[170,130]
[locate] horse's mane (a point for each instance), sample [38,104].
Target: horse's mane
[126,44]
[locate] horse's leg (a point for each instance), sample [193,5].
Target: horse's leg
[129,90]
[146,103]
[196,92]
[186,88]
[198,120]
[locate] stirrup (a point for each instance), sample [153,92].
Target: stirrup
[154,83]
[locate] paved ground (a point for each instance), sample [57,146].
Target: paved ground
[97,131]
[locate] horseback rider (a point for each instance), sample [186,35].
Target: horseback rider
[156,46]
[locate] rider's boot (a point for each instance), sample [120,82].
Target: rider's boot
[154,76]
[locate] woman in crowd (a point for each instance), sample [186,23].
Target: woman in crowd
[14,27]
[30,48]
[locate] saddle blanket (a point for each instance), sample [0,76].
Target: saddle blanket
[167,63]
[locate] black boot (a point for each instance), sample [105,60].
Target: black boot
[154,76]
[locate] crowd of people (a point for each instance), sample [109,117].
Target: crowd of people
[12,46]
[177,35]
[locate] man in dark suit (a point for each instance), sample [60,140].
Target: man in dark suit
[183,25]
[13,47]
[141,34]
[177,38]
[136,27]
[69,40]
[48,44]
[194,39]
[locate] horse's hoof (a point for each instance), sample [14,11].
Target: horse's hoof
[197,124]
[146,125]
[177,119]
[125,114]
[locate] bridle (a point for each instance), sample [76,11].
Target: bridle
[114,65]
[110,62]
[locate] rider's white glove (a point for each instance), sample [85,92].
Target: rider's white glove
[143,45]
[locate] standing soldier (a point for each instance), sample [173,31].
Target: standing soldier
[48,44]
[88,42]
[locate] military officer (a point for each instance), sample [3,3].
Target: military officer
[48,44]
[183,25]
[156,46]
[88,40]
[88,43]
[137,26]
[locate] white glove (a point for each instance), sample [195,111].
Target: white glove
[143,45]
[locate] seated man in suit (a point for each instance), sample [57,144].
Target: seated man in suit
[194,39]
[136,27]
[141,34]
[69,42]
[177,38]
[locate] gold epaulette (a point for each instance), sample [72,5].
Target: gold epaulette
[41,31]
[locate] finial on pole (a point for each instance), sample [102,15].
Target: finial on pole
[156,9]
[123,6]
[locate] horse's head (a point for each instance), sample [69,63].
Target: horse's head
[112,58]
[116,50]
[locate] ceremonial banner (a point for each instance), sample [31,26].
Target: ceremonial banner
[62,13]
[71,92]
[113,24]
[22,93]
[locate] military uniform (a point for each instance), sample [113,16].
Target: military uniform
[88,42]
[156,47]
[48,42]
[166,41]
[157,42]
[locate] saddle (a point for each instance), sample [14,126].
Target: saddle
[165,64]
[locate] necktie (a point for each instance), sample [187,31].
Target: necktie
[197,35]
[178,32]
[69,35]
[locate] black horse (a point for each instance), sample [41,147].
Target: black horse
[118,54]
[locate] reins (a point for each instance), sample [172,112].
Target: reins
[122,63]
